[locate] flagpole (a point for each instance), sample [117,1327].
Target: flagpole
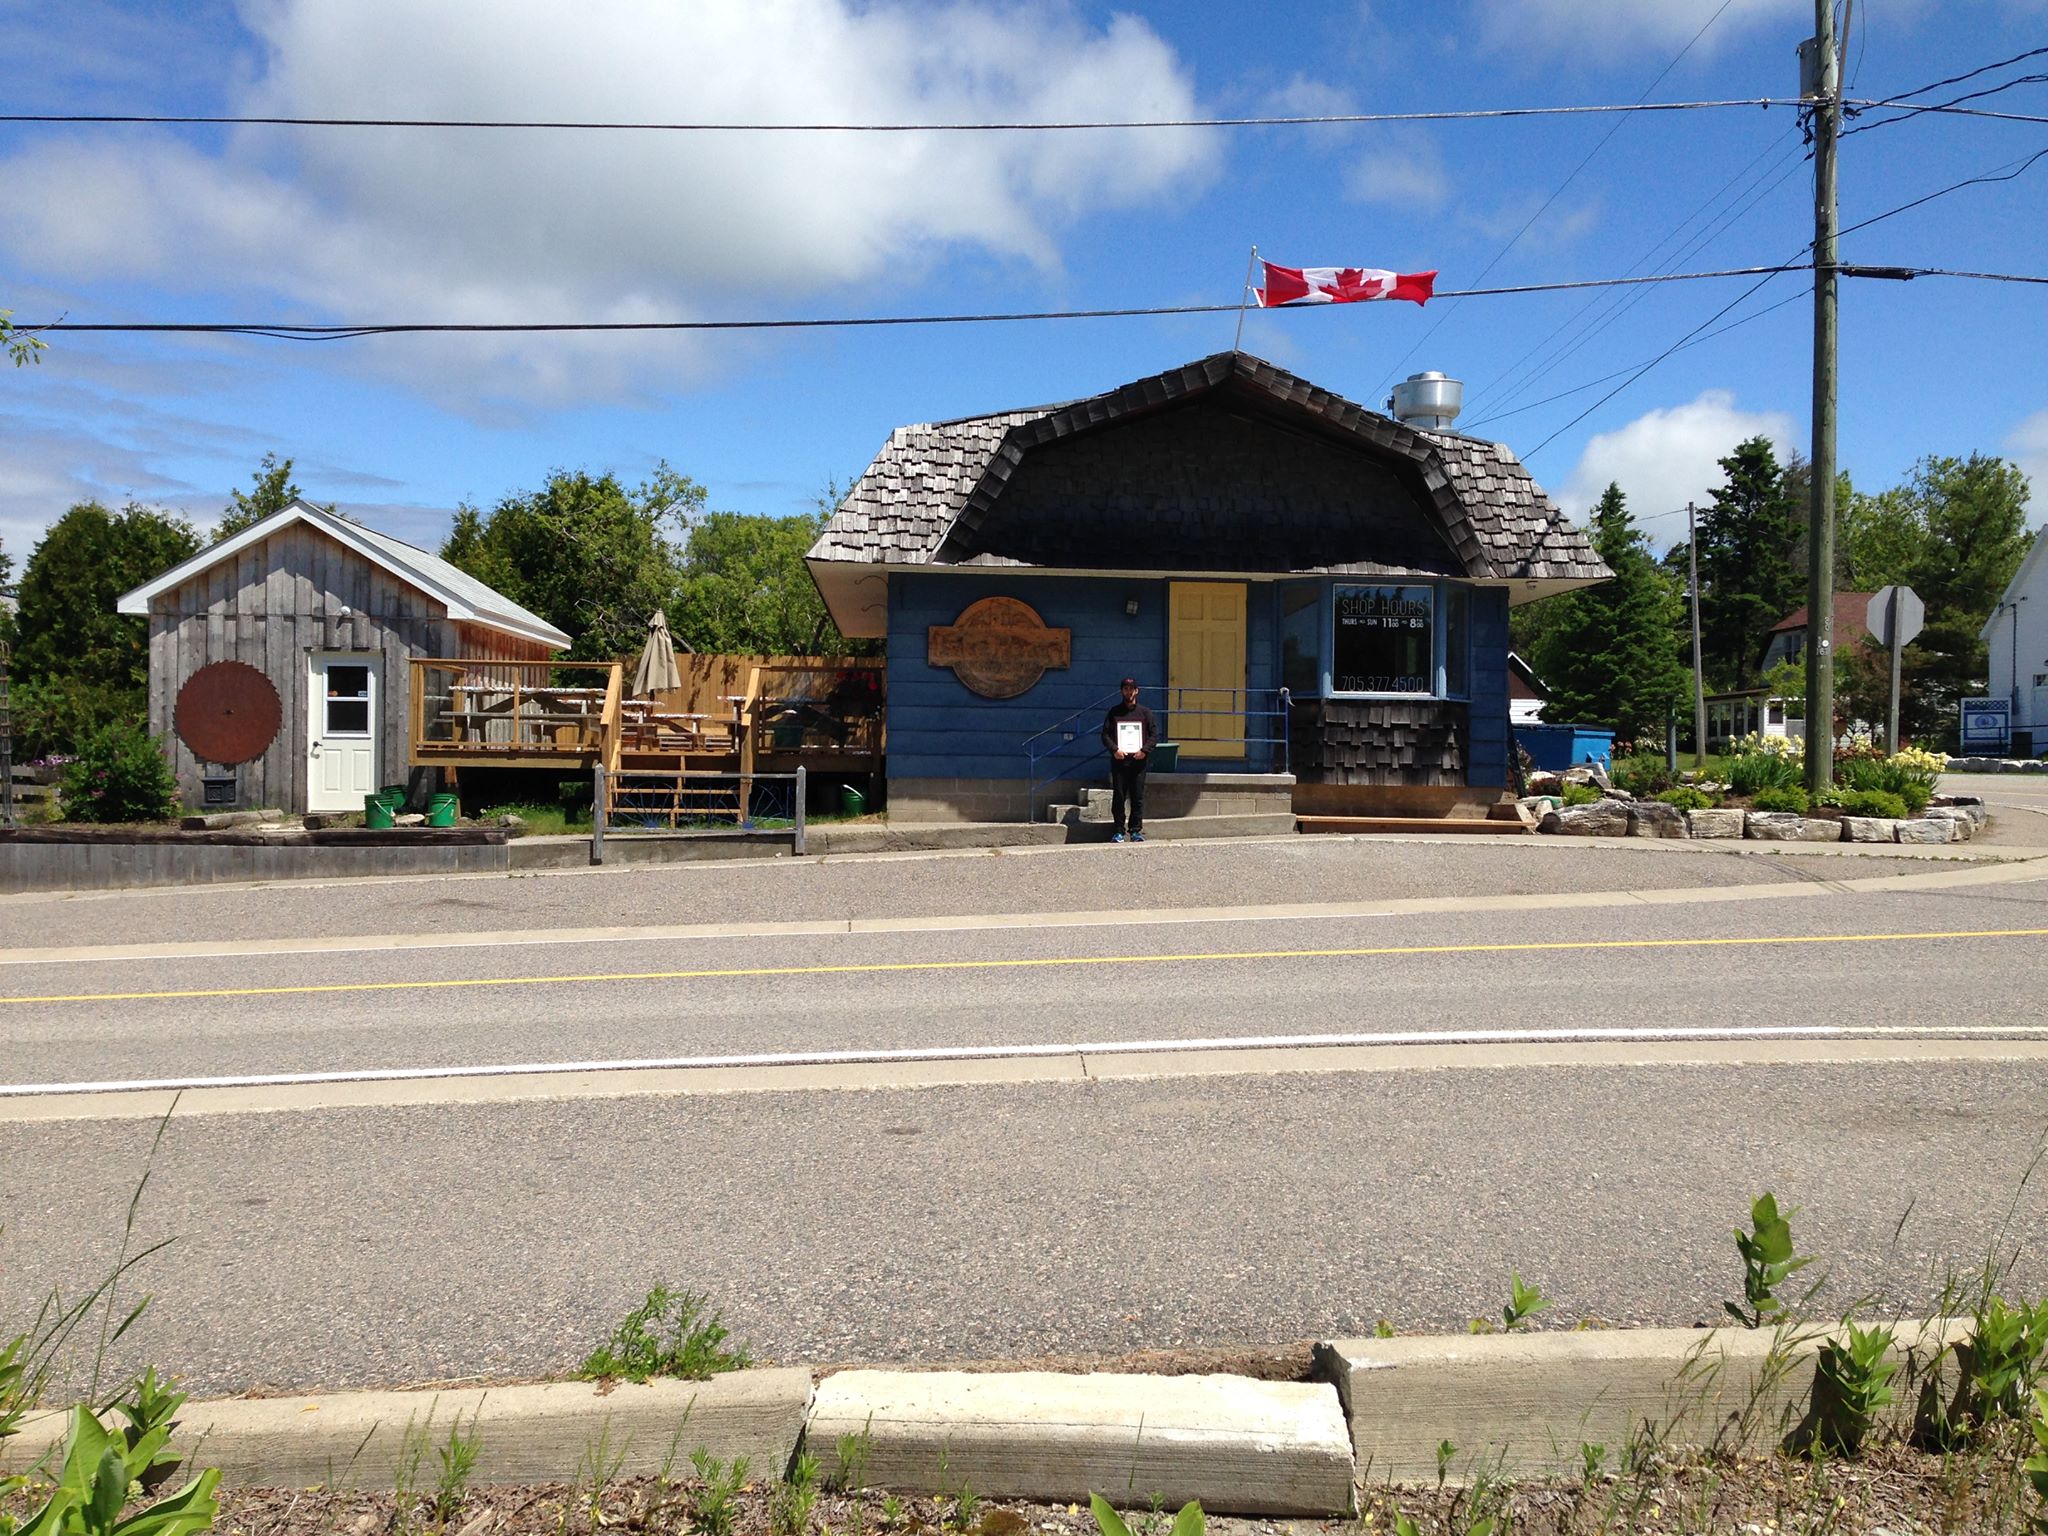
[1243,295]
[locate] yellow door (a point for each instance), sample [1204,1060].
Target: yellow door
[1205,668]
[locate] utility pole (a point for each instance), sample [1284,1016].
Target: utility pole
[1699,678]
[1821,85]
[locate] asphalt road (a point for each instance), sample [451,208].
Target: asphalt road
[475,1235]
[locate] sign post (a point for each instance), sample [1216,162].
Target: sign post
[1895,615]
[1987,727]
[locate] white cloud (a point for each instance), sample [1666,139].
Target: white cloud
[1607,30]
[473,225]
[1664,459]
[1398,168]
[2027,445]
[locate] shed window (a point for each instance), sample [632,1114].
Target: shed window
[1382,641]
[348,700]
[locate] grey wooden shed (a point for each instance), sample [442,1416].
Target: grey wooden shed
[280,659]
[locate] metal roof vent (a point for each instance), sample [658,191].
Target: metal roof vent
[1428,400]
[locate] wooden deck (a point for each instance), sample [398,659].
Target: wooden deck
[574,716]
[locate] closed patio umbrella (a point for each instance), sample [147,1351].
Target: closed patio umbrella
[657,671]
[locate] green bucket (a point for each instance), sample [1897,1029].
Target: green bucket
[376,811]
[441,811]
[393,795]
[852,802]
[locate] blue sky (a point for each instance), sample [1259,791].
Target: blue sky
[392,225]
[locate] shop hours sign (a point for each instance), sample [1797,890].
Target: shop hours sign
[1383,640]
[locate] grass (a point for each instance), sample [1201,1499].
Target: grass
[544,820]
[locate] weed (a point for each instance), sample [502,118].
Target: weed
[1383,1329]
[1445,1451]
[789,1508]
[1767,1259]
[597,1468]
[1592,1458]
[2005,1353]
[1189,1522]
[714,1507]
[102,1471]
[853,1450]
[458,1461]
[892,1511]
[2036,1465]
[671,1333]
[1852,1382]
[1524,1302]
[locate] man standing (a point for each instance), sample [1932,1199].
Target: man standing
[1129,731]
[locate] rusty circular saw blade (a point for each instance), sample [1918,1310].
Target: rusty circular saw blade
[228,713]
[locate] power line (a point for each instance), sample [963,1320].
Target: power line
[1971,74]
[1556,193]
[1308,120]
[2018,168]
[1907,113]
[287,332]
[344,332]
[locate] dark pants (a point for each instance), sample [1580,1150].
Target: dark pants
[1127,783]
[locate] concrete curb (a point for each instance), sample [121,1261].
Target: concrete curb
[1512,1404]
[1240,1446]
[1523,1404]
[530,1433]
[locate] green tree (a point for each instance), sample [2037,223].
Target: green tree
[745,588]
[1751,570]
[18,344]
[77,662]
[270,490]
[1972,517]
[588,555]
[1611,658]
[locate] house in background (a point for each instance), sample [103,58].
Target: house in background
[2016,636]
[1313,595]
[1526,693]
[1787,641]
[280,659]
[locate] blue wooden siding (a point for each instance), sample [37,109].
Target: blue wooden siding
[939,729]
[1488,753]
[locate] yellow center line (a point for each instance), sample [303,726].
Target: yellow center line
[1048,962]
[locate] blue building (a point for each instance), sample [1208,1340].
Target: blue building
[1312,595]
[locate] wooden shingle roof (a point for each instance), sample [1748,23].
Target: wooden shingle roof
[925,498]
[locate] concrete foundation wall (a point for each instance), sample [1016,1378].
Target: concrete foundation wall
[101,866]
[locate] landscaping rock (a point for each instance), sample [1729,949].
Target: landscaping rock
[1869,829]
[1957,816]
[1772,826]
[1924,831]
[1653,818]
[1715,823]
[1604,818]
[514,825]
[409,819]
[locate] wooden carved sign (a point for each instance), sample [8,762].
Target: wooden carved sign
[999,647]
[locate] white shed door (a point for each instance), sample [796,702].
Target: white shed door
[348,703]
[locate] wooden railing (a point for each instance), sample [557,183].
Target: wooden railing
[484,709]
[834,709]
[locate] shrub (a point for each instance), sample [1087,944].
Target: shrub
[1642,775]
[120,774]
[1758,762]
[1686,798]
[1916,795]
[1871,802]
[1789,797]
[1580,794]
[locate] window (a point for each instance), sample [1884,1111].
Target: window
[1457,640]
[1383,640]
[1301,634]
[348,700]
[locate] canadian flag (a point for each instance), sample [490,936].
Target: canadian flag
[1340,285]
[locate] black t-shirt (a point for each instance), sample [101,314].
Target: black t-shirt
[1122,711]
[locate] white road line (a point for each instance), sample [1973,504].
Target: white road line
[1026,1051]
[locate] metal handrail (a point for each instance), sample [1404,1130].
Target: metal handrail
[1055,741]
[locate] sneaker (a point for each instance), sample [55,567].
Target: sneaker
[1117,838]
[1137,837]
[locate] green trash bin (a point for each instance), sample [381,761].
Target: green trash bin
[852,802]
[441,811]
[376,810]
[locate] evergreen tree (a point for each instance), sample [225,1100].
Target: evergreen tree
[270,490]
[1611,657]
[1751,573]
